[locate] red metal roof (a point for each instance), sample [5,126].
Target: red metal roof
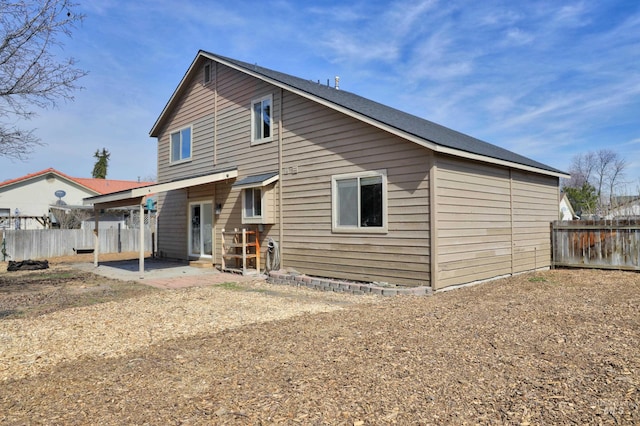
[99,186]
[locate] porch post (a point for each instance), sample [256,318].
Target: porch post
[96,240]
[141,261]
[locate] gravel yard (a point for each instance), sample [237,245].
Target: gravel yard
[556,347]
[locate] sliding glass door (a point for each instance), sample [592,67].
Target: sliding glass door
[201,224]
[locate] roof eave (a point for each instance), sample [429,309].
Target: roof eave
[136,195]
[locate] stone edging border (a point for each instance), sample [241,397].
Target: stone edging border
[327,284]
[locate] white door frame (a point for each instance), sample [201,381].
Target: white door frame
[202,204]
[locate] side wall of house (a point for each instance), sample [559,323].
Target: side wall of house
[535,205]
[220,116]
[473,212]
[236,91]
[172,224]
[320,143]
[317,143]
[490,220]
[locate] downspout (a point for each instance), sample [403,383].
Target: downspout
[280,186]
[215,162]
[433,222]
[511,213]
[215,114]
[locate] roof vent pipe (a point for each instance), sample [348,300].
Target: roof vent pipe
[337,83]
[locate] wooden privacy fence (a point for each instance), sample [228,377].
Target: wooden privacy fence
[606,244]
[47,243]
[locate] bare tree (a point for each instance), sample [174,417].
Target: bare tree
[70,218]
[604,160]
[31,75]
[581,168]
[615,176]
[602,170]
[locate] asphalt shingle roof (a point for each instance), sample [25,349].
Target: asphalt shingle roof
[408,123]
[255,179]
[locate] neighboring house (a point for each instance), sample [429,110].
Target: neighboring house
[566,209]
[348,188]
[625,207]
[35,200]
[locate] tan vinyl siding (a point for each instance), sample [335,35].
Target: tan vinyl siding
[172,224]
[235,91]
[230,218]
[321,143]
[488,220]
[473,221]
[196,109]
[535,206]
[491,221]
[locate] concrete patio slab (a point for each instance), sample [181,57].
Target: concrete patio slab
[163,273]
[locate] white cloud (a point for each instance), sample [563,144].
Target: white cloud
[516,36]
[545,79]
[572,15]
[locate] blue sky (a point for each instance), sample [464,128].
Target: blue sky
[546,79]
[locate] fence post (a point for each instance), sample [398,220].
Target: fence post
[4,247]
[553,244]
[141,260]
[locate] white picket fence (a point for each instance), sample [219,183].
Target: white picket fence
[48,243]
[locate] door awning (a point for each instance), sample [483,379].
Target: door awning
[256,180]
[135,195]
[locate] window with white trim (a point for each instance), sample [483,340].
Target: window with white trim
[5,221]
[359,202]
[252,203]
[261,120]
[181,145]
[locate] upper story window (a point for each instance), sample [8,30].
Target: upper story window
[207,74]
[359,202]
[181,145]
[261,120]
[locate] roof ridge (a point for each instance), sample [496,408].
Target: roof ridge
[420,130]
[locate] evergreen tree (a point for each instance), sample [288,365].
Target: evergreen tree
[102,162]
[583,199]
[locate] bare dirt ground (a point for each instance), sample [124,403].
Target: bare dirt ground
[556,347]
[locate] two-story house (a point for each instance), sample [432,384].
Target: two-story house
[347,187]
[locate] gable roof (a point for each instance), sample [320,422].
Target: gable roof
[97,186]
[423,132]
